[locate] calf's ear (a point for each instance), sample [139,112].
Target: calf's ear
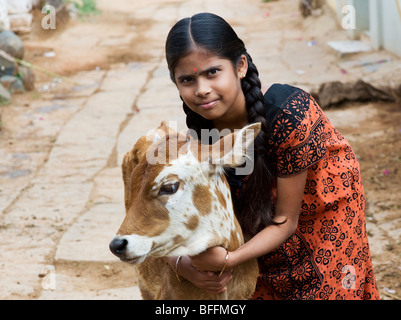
[233,149]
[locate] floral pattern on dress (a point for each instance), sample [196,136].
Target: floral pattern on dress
[328,257]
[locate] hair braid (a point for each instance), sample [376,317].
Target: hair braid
[251,87]
[255,210]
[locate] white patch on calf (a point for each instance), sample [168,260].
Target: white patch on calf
[137,247]
[180,206]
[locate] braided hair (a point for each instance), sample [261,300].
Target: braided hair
[213,33]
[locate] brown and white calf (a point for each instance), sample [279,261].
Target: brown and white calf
[181,206]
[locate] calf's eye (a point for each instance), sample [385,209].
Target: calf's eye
[170,188]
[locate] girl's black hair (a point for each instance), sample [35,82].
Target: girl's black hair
[211,32]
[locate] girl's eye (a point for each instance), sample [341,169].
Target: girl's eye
[168,189]
[213,72]
[187,80]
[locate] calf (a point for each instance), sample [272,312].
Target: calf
[181,204]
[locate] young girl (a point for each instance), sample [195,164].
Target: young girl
[302,207]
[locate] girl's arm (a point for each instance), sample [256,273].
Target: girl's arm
[289,197]
[208,281]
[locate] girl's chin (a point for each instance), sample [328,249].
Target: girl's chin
[208,114]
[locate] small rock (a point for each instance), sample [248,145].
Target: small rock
[308,7]
[5,96]
[50,54]
[12,84]
[18,86]
[336,92]
[28,77]
[7,64]
[12,44]
[21,22]
[7,81]
[389,290]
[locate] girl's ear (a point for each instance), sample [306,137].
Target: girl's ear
[242,66]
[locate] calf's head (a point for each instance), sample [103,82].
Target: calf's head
[177,199]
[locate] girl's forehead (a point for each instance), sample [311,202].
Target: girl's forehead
[199,59]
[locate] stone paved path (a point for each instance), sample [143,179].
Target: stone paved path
[56,225]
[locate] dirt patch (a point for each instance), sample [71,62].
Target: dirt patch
[374,131]
[87,43]
[91,276]
[31,124]
[379,148]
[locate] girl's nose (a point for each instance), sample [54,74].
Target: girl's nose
[203,88]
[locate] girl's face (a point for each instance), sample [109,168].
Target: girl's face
[211,87]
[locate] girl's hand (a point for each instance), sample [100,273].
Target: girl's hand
[206,280]
[213,259]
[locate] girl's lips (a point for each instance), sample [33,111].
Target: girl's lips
[208,105]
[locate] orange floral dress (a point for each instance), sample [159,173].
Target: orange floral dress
[328,257]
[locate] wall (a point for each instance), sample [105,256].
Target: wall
[391,27]
[381,19]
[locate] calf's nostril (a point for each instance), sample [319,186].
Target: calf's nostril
[118,246]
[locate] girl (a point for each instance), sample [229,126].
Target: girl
[302,207]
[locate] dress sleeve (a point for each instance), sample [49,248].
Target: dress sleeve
[298,134]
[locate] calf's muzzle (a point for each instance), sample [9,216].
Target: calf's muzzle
[118,246]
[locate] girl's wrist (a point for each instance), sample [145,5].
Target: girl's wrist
[176,269]
[224,268]
[232,260]
[175,264]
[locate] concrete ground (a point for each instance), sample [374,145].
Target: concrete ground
[61,193]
